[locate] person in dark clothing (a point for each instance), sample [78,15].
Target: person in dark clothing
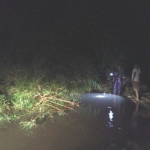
[118,80]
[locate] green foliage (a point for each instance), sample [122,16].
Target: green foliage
[32,95]
[50,79]
[28,124]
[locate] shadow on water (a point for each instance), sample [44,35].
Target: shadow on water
[140,130]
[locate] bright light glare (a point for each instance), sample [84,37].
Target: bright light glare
[111,115]
[111,74]
[101,96]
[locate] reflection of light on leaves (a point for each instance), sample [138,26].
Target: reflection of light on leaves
[110,115]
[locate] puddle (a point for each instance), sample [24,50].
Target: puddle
[102,122]
[110,113]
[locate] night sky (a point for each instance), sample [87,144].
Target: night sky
[77,23]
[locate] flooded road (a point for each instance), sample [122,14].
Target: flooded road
[102,122]
[113,114]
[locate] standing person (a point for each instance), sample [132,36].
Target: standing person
[118,79]
[136,81]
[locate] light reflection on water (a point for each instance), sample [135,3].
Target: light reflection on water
[110,118]
[103,105]
[108,109]
[117,117]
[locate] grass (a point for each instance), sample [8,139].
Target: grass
[32,96]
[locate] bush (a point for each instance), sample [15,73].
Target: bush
[32,95]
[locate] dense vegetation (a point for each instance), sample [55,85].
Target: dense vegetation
[42,77]
[50,85]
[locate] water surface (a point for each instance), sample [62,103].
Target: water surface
[102,122]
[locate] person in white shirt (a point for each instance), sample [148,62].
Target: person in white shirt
[136,81]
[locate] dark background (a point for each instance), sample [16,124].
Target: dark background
[74,23]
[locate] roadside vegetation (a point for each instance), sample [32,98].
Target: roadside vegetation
[50,85]
[39,80]
[30,95]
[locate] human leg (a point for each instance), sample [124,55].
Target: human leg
[119,87]
[136,89]
[115,88]
[137,95]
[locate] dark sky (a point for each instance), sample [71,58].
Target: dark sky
[131,19]
[79,21]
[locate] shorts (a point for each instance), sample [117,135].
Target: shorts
[136,85]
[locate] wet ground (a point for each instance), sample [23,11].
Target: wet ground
[102,122]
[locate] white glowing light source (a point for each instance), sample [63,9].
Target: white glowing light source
[101,96]
[111,74]
[111,115]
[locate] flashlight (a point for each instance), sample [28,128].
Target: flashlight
[111,74]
